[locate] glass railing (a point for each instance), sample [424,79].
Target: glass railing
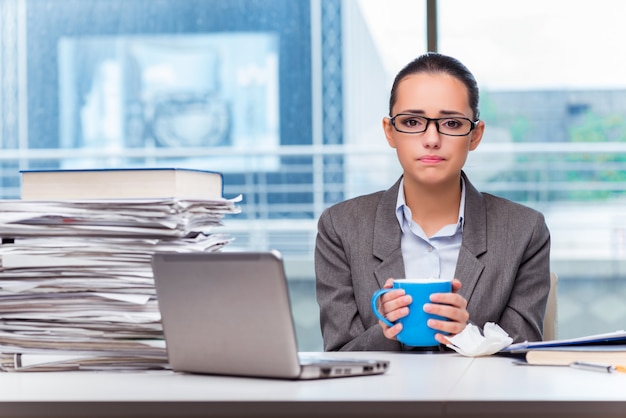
[579,187]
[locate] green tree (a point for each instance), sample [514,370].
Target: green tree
[598,167]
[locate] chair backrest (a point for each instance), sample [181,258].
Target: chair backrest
[550,319]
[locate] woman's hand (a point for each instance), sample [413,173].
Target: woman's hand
[393,306]
[448,305]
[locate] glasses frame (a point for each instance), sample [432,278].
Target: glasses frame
[473,124]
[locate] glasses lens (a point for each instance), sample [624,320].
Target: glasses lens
[455,126]
[410,123]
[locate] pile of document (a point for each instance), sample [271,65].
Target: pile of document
[76,286]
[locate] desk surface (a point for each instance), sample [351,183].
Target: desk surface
[416,385]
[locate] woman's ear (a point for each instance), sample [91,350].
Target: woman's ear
[476,135]
[388,128]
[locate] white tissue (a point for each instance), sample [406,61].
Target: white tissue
[471,343]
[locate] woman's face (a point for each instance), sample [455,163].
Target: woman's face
[431,158]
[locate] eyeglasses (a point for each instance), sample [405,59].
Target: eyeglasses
[413,124]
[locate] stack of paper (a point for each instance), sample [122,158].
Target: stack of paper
[76,286]
[156,218]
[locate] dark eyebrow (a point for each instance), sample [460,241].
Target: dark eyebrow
[412,112]
[451,113]
[419,112]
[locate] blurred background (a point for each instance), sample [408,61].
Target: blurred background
[286,98]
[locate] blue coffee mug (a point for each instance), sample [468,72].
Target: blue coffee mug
[415,331]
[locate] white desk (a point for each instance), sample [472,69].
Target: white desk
[417,385]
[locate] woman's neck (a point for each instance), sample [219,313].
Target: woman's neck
[433,207]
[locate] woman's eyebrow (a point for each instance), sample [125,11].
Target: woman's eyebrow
[451,113]
[420,112]
[413,112]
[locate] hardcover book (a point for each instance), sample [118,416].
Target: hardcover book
[564,356]
[123,183]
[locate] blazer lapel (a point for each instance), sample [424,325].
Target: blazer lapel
[469,267]
[387,234]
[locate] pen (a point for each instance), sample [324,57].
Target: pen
[597,367]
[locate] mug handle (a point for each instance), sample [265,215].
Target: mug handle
[375,297]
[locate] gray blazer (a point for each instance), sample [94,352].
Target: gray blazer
[503,264]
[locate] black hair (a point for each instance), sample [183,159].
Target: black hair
[433,62]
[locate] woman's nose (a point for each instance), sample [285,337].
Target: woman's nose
[431,137]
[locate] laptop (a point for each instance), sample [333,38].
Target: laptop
[229,313]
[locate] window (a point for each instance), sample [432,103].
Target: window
[554,100]
[286,98]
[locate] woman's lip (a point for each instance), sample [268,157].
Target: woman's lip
[430,159]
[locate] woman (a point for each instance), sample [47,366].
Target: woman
[431,223]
